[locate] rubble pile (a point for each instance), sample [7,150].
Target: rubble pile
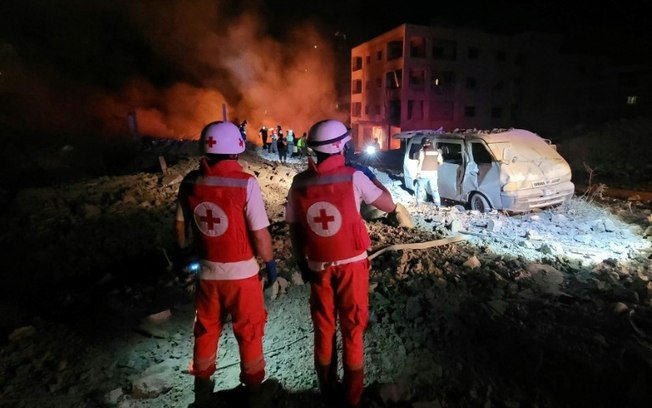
[548,309]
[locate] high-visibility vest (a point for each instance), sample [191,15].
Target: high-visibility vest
[431,160]
[217,200]
[323,198]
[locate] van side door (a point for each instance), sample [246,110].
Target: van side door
[411,161]
[449,178]
[482,173]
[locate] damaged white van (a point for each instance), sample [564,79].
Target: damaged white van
[505,169]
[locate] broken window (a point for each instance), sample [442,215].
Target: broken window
[451,152]
[393,79]
[356,63]
[442,82]
[415,148]
[394,49]
[417,78]
[356,86]
[395,111]
[418,47]
[480,154]
[379,55]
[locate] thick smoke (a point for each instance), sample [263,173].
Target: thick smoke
[175,64]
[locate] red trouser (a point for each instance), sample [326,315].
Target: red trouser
[342,291]
[243,300]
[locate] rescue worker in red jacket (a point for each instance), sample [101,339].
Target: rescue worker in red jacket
[330,242]
[221,209]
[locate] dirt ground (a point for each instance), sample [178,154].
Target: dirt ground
[544,309]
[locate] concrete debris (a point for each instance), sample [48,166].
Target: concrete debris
[494,225]
[443,319]
[473,262]
[113,397]
[160,317]
[547,278]
[154,381]
[22,333]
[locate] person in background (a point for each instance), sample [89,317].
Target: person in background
[301,145]
[282,148]
[426,176]
[290,139]
[349,157]
[330,242]
[376,145]
[243,130]
[368,211]
[273,146]
[221,213]
[263,135]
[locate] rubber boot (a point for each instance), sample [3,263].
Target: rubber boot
[262,395]
[353,387]
[327,381]
[203,392]
[327,375]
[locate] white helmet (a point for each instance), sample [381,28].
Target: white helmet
[221,138]
[328,136]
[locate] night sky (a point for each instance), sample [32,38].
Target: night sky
[80,66]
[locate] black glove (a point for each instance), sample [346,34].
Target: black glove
[306,273]
[270,269]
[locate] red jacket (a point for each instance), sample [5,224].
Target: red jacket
[216,196]
[323,198]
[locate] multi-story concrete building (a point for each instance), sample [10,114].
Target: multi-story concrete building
[414,77]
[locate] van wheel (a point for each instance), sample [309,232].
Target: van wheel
[479,203]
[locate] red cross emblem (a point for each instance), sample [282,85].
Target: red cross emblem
[210,219]
[210,142]
[324,219]
[240,142]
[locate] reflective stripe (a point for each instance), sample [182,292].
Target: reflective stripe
[321,180]
[228,270]
[203,364]
[253,367]
[216,181]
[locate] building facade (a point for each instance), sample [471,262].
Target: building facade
[426,77]
[415,77]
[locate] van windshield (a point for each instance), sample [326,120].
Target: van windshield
[520,151]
